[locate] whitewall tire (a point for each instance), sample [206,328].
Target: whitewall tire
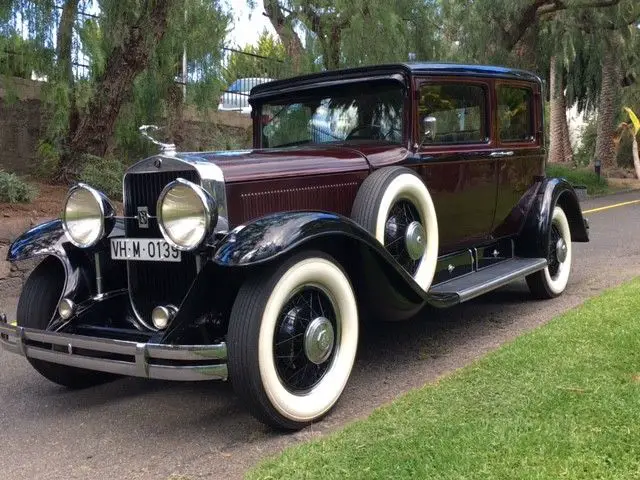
[552,281]
[394,204]
[292,340]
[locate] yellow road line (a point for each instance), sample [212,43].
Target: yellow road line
[616,205]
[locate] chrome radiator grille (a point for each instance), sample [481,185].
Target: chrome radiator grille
[154,283]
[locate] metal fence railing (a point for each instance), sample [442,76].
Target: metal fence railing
[241,71]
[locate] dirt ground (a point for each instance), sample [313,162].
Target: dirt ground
[47,204]
[624,183]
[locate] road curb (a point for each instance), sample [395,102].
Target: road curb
[611,194]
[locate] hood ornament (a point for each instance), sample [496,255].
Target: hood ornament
[165,148]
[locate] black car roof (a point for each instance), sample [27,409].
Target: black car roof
[389,70]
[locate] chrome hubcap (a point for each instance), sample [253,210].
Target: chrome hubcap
[561,250]
[414,239]
[319,339]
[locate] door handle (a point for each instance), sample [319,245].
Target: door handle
[502,154]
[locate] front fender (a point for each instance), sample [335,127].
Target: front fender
[49,239]
[373,271]
[533,240]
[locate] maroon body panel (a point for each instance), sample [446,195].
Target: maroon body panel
[332,192]
[256,165]
[464,194]
[481,191]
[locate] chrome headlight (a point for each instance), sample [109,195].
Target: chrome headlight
[87,217]
[186,214]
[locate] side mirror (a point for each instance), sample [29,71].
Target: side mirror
[429,129]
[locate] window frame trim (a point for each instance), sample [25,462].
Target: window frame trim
[534,114]
[487,86]
[306,92]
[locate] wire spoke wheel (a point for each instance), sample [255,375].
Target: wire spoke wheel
[292,340]
[404,235]
[555,238]
[395,206]
[305,336]
[552,281]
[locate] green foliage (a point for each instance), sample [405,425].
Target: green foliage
[265,59]
[580,177]
[48,160]
[586,152]
[152,100]
[558,402]
[15,190]
[104,174]
[17,56]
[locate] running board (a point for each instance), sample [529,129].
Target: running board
[476,283]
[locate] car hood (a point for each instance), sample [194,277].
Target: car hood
[245,165]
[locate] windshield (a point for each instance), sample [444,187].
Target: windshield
[364,112]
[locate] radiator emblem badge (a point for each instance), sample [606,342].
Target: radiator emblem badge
[143,217]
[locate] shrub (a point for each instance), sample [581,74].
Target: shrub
[104,174]
[15,190]
[579,176]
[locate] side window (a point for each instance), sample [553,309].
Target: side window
[515,114]
[451,113]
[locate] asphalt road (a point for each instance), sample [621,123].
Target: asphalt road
[146,429]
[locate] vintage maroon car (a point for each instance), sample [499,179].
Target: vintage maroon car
[370,193]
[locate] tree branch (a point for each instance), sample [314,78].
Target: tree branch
[540,8]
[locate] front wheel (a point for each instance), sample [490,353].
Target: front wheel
[36,306]
[293,335]
[552,281]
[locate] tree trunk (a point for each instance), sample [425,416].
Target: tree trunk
[605,146]
[636,157]
[64,41]
[123,65]
[287,35]
[64,67]
[555,128]
[567,149]
[560,144]
[175,114]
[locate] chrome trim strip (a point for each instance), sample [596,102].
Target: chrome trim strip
[144,355]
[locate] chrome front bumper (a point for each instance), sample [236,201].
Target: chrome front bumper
[147,360]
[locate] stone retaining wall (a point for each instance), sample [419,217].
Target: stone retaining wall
[22,125]
[13,276]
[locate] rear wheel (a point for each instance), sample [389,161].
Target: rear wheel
[552,281]
[36,306]
[292,340]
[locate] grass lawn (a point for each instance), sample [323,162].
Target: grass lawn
[560,402]
[581,176]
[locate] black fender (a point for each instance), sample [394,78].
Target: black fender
[380,282]
[533,239]
[49,239]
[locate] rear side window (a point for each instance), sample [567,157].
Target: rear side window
[515,114]
[452,113]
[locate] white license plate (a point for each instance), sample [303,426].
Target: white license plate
[144,249]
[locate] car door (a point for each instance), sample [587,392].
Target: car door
[521,163]
[457,156]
